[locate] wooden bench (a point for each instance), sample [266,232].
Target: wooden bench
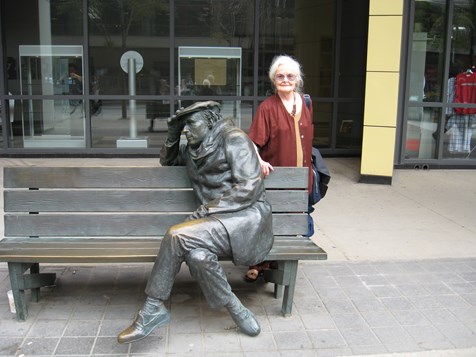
[118,214]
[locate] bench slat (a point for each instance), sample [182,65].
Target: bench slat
[130,250]
[139,177]
[130,200]
[63,225]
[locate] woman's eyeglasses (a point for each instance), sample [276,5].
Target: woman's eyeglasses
[281,77]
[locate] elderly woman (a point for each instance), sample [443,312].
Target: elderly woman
[282,128]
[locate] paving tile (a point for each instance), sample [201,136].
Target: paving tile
[298,353]
[153,345]
[71,346]
[309,305]
[410,317]
[388,268]
[425,302]
[291,323]
[337,306]
[368,350]
[459,334]
[464,314]
[410,290]
[335,352]
[437,288]
[360,269]
[374,280]
[263,343]
[449,301]
[38,346]
[111,328]
[362,336]
[82,328]
[222,342]
[338,269]
[397,303]
[353,320]
[462,287]
[88,312]
[47,328]
[439,316]
[428,337]
[379,318]
[368,304]
[470,298]
[185,342]
[292,340]
[321,320]
[9,346]
[331,294]
[393,335]
[325,339]
[109,345]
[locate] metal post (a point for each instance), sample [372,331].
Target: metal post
[132,102]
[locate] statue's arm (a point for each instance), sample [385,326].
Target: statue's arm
[170,152]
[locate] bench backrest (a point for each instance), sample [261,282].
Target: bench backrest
[126,201]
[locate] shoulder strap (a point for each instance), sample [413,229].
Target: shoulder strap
[307,98]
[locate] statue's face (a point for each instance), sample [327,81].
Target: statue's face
[196,129]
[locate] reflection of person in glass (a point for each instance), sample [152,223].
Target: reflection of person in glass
[75,85]
[233,220]
[11,68]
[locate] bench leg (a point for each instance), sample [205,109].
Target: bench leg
[20,282]
[288,297]
[284,276]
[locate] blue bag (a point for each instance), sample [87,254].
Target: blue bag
[320,172]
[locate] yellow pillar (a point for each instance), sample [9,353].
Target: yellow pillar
[381,90]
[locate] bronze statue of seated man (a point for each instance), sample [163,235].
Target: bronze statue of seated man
[233,220]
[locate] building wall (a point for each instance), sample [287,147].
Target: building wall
[381,93]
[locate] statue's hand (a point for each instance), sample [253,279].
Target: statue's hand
[200,212]
[175,127]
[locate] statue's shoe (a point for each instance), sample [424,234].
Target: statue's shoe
[246,321]
[143,326]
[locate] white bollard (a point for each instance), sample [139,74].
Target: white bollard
[11,301]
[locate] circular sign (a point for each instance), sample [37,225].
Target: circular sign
[134,55]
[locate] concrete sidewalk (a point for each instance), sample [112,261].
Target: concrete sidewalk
[400,279]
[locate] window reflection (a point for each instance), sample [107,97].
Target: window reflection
[133,25]
[452,125]
[421,136]
[459,122]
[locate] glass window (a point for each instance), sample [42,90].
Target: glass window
[349,125]
[421,136]
[211,27]
[117,27]
[460,123]
[427,52]
[442,77]
[110,129]
[51,124]
[45,57]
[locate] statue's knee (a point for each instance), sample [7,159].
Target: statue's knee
[199,258]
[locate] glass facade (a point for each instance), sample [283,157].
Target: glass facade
[440,114]
[101,77]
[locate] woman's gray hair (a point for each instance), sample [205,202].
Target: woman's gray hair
[291,62]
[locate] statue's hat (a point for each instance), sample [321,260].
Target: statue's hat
[196,107]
